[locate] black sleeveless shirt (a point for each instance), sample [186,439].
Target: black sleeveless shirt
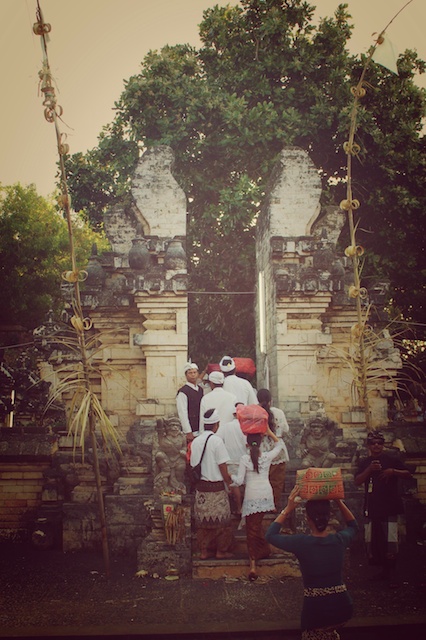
[194,401]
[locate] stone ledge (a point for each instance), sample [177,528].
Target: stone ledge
[214,569]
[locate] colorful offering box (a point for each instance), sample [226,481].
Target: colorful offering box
[320,484]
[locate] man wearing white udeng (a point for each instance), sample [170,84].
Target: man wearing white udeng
[240,387]
[188,401]
[218,399]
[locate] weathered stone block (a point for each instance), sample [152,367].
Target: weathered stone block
[148,409]
[84,495]
[157,557]
[294,201]
[356,417]
[292,407]
[159,199]
[80,527]
[130,486]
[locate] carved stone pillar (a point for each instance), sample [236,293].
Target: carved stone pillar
[136,296]
[305,315]
[294,286]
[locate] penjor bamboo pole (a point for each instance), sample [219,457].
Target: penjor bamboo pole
[52,114]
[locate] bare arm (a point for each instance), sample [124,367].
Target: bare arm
[182,410]
[399,473]
[225,475]
[293,499]
[364,475]
[375,465]
[345,511]
[202,374]
[271,434]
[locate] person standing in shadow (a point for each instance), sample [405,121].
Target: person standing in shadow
[380,473]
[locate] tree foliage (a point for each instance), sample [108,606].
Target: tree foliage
[34,251]
[266,77]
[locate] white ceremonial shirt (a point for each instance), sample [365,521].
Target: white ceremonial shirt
[241,388]
[214,455]
[234,439]
[221,400]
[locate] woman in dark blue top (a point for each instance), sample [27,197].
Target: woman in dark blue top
[326,602]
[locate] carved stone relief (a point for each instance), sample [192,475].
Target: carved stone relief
[169,457]
[316,443]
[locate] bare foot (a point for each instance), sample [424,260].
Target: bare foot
[224,555]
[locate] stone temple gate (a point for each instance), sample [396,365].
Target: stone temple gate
[136,296]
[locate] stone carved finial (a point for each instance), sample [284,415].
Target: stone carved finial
[158,209]
[175,256]
[95,273]
[158,197]
[139,256]
[294,201]
[315,443]
[169,457]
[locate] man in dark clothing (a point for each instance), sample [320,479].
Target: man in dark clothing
[188,401]
[380,472]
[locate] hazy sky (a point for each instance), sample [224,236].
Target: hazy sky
[96,44]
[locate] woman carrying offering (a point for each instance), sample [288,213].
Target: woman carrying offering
[327,604]
[279,425]
[253,471]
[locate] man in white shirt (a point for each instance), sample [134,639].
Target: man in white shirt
[211,505]
[218,399]
[240,387]
[235,442]
[236,445]
[188,401]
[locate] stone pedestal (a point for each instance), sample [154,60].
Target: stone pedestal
[166,551]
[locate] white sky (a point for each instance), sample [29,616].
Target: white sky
[96,44]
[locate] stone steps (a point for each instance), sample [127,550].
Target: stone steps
[278,565]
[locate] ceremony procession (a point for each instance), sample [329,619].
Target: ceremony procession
[213,328]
